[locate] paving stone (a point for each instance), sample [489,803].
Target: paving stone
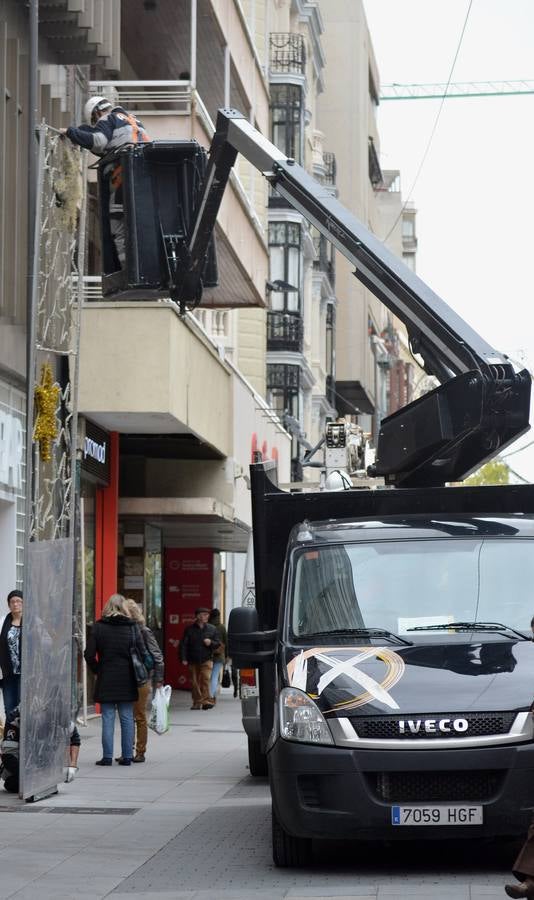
[201,831]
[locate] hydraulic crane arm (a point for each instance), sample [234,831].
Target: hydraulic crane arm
[482,403]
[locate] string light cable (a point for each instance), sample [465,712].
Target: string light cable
[434,127]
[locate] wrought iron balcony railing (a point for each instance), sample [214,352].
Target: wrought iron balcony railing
[284,331]
[375,172]
[329,160]
[287,53]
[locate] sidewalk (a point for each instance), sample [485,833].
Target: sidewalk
[87,839]
[191,824]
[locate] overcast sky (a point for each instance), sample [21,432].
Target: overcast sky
[475,194]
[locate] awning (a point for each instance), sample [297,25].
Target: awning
[190,521]
[352,398]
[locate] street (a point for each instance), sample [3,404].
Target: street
[191,824]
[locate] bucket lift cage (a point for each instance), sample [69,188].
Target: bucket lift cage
[160,185]
[482,402]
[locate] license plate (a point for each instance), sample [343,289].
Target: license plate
[436,815]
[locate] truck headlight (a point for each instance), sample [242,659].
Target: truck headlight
[301,719]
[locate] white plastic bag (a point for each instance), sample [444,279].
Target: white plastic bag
[159,711]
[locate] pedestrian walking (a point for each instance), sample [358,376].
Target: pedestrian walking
[219,655]
[10,647]
[109,656]
[155,668]
[196,651]
[107,128]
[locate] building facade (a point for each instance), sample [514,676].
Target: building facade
[374,367]
[173,408]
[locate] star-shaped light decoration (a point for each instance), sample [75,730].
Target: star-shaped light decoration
[46,399]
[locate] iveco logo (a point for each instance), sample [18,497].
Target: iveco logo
[433,726]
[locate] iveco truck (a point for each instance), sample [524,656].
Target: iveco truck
[391,632]
[395,661]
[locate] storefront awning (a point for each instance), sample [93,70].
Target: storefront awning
[190,521]
[352,398]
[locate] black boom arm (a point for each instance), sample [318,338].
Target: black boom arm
[482,403]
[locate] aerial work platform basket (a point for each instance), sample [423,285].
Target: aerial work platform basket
[155,188]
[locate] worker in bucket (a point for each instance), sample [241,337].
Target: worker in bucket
[107,128]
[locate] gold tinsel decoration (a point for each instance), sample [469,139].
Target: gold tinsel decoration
[46,399]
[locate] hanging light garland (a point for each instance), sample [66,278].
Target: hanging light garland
[46,400]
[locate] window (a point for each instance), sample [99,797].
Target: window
[286,113]
[283,383]
[400,585]
[284,247]
[408,227]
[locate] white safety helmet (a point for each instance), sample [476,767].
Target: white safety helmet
[338,481]
[94,105]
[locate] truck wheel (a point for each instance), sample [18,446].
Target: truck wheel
[257,761]
[289,851]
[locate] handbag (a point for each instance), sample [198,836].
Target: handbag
[148,660]
[226,679]
[140,670]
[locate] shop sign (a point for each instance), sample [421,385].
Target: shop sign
[11,450]
[95,452]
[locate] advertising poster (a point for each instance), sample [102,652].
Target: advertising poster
[188,584]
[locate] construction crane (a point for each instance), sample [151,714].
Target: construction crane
[458,89]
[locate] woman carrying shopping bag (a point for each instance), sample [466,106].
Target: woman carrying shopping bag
[153,660]
[109,655]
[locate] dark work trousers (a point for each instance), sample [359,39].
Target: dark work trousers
[524,864]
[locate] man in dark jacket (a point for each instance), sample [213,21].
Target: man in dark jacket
[196,651]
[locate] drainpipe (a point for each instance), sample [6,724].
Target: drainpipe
[33,86]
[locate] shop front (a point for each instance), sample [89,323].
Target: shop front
[98,526]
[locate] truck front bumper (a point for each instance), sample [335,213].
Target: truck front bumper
[332,792]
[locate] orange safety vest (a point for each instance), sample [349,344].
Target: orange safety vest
[116,175]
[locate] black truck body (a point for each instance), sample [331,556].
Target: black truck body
[452,736]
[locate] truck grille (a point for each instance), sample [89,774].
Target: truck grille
[430,787]
[387,727]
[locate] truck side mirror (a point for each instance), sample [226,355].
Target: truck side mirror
[247,645]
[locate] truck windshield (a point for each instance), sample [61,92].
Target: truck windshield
[402,585]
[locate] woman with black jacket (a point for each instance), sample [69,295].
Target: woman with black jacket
[10,644]
[108,655]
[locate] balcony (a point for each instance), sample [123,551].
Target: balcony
[217,324]
[217,49]
[375,172]
[287,54]
[173,110]
[135,385]
[284,332]
[85,33]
